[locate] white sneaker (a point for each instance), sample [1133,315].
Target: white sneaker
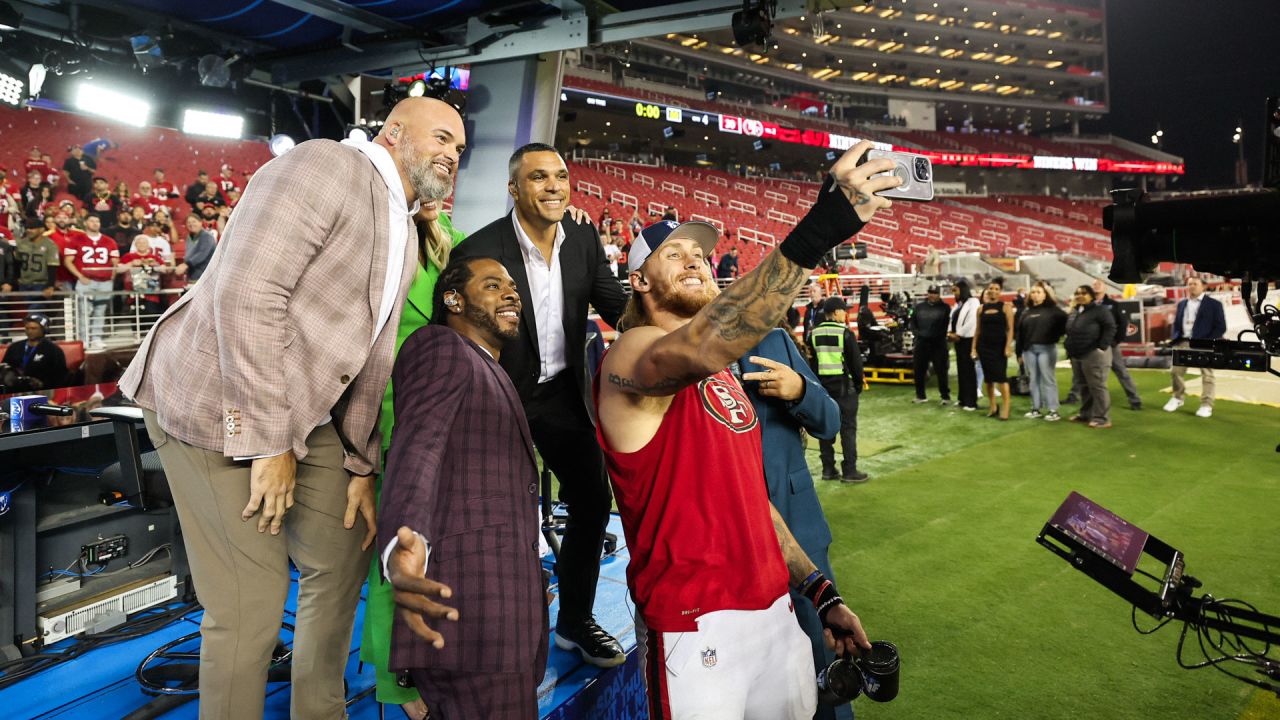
[1033,414]
[1173,404]
[1204,411]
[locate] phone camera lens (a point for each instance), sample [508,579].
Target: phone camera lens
[922,169]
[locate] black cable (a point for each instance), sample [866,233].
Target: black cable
[1134,619]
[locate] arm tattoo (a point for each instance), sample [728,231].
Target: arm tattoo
[861,198]
[799,566]
[753,305]
[627,383]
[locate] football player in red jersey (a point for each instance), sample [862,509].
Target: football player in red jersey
[712,561]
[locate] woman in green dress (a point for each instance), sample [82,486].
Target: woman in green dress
[436,238]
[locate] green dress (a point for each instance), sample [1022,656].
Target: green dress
[379,608]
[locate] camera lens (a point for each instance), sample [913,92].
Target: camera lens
[922,169]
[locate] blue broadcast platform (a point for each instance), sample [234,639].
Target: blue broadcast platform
[101,683]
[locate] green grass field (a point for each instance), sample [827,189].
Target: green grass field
[937,553]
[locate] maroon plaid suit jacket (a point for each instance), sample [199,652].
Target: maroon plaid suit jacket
[278,332]
[461,472]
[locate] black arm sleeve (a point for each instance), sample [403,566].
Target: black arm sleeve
[853,358]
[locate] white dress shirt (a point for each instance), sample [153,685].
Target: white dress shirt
[546,290]
[1189,316]
[398,216]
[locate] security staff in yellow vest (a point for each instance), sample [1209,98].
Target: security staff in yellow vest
[838,363]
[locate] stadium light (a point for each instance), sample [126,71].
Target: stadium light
[215,124]
[10,89]
[280,144]
[109,103]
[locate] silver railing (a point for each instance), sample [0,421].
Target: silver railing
[125,317]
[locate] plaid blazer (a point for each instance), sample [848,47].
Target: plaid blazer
[278,334]
[461,472]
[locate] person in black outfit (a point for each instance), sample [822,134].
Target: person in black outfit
[79,169]
[39,358]
[963,324]
[813,315]
[929,327]
[195,189]
[1117,358]
[1091,328]
[728,268]
[547,363]
[992,346]
[1040,327]
[837,360]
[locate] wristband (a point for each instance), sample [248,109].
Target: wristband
[822,593]
[830,221]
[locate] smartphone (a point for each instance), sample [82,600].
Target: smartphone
[914,171]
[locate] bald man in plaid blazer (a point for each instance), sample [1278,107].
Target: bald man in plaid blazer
[261,390]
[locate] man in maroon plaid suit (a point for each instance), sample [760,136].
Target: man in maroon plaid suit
[459,493]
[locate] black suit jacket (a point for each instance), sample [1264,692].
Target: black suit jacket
[587,280]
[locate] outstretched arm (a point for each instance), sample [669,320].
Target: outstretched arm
[741,315]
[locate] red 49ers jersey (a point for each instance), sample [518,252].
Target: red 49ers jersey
[695,510]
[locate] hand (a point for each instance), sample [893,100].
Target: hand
[271,482]
[181,269]
[360,499]
[1020,361]
[974,354]
[952,337]
[579,215]
[857,183]
[851,642]
[777,380]
[6,287]
[47,292]
[413,590]
[1008,352]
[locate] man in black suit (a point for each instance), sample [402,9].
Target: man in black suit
[560,268]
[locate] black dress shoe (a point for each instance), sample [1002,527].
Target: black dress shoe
[854,477]
[596,646]
[830,475]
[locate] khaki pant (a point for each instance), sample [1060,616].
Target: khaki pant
[1208,388]
[242,576]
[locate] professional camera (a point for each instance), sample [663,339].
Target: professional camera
[874,673]
[1234,233]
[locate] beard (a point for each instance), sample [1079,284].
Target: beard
[686,303]
[483,320]
[426,182]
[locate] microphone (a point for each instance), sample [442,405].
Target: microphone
[48,409]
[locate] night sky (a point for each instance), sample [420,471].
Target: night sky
[1198,68]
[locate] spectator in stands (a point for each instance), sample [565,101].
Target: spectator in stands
[1199,317]
[929,328]
[92,258]
[838,363]
[227,181]
[209,196]
[162,190]
[79,169]
[101,203]
[144,265]
[39,358]
[993,346]
[195,189]
[145,200]
[728,267]
[636,224]
[447,377]
[1040,328]
[33,196]
[167,229]
[8,267]
[233,197]
[790,401]
[612,251]
[36,161]
[223,437]
[98,147]
[65,236]
[153,232]
[200,245]
[38,261]
[53,175]
[122,195]
[1091,329]
[124,229]
[560,268]
[214,218]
